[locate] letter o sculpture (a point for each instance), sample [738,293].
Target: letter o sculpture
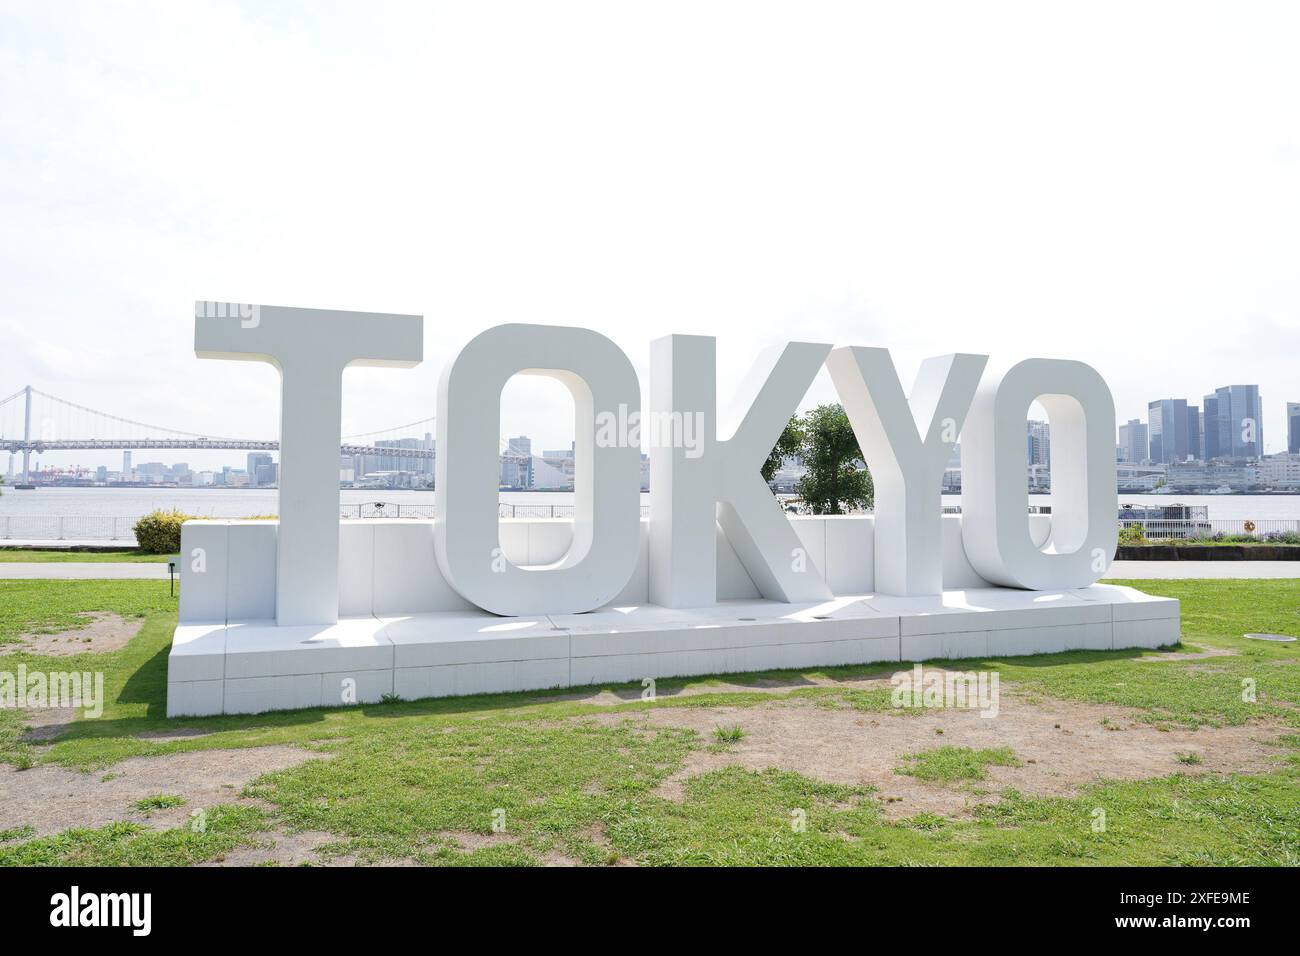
[995,520]
[607,513]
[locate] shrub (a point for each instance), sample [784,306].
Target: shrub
[160,532]
[1283,537]
[1132,534]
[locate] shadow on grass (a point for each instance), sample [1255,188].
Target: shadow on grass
[1062,658]
[147,684]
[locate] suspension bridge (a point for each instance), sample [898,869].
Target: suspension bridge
[33,422]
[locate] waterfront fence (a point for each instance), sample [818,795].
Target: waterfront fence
[1212,529]
[68,528]
[119,528]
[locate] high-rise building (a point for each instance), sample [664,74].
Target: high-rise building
[517,463]
[1038,445]
[1167,430]
[260,469]
[1194,449]
[420,466]
[1133,442]
[126,466]
[1293,428]
[1211,426]
[1241,424]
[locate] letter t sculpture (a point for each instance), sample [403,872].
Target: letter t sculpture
[311,348]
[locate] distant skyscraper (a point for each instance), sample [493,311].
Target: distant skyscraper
[126,464]
[1293,427]
[1133,441]
[517,463]
[1167,429]
[1038,446]
[1212,425]
[260,469]
[1194,433]
[1241,424]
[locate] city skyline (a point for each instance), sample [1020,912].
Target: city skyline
[1184,447]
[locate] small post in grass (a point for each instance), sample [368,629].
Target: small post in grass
[171,578]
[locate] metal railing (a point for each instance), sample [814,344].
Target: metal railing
[120,528]
[67,527]
[389,509]
[1215,529]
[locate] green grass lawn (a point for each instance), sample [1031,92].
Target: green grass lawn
[561,777]
[40,556]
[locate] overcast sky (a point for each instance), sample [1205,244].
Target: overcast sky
[1117,183]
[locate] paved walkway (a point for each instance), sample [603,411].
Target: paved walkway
[83,570]
[1204,569]
[46,544]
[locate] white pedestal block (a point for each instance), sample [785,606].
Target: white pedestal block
[198,652]
[406,575]
[261,649]
[404,630]
[196,670]
[255,666]
[196,698]
[250,578]
[343,688]
[257,695]
[850,559]
[413,683]
[356,568]
[435,640]
[203,564]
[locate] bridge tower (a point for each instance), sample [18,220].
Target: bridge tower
[27,436]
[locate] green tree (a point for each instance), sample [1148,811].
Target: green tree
[838,479]
[788,445]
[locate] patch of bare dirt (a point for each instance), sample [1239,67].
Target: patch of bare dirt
[596,834]
[467,841]
[1062,747]
[52,799]
[281,848]
[760,685]
[46,723]
[103,632]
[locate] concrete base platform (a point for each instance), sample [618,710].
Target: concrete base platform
[248,667]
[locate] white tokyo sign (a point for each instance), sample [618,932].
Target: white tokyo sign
[699,479]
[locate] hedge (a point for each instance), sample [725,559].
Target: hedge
[160,531]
